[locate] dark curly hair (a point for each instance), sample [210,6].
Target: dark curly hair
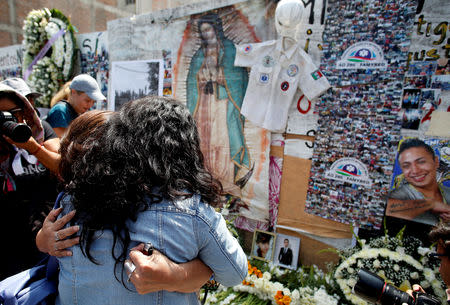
[149,149]
[82,136]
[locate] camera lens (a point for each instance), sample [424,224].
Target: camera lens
[373,288]
[369,286]
[18,132]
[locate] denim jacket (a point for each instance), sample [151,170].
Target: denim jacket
[182,230]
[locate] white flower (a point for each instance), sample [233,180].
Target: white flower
[351,282]
[376,263]
[400,250]
[423,251]
[267,276]
[425,284]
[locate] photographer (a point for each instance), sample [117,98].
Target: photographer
[28,188]
[46,152]
[441,235]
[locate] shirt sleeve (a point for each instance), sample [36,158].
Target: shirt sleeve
[219,249]
[403,193]
[248,55]
[58,116]
[312,82]
[49,133]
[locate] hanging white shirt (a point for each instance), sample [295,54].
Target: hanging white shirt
[276,75]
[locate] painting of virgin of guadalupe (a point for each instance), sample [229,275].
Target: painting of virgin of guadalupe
[214,91]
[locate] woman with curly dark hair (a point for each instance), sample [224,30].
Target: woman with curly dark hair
[141,178]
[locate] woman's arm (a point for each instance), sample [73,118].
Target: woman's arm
[157,272]
[47,153]
[220,250]
[60,131]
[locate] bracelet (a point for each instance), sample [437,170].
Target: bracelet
[37,150]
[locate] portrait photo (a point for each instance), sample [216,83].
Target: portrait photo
[286,251]
[263,245]
[420,188]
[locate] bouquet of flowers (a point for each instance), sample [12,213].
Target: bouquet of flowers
[399,260]
[55,67]
[268,284]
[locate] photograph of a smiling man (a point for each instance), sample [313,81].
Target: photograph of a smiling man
[420,192]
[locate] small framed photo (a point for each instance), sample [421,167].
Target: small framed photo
[286,251]
[263,245]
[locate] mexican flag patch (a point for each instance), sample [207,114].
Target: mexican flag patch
[316,74]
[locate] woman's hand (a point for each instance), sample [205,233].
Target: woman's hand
[51,238]
[158,272]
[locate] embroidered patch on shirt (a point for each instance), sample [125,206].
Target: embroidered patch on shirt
[316,74]
[264,78]
[284,86]
[268,61]
[247,48]
[292,70]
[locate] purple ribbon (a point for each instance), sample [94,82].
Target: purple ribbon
[43,52]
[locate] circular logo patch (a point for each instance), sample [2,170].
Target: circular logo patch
[264,78]
[292,70]
[268,61]
[247,48]
[284,86]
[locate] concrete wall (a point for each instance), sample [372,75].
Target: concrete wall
[86,15]
[148,6]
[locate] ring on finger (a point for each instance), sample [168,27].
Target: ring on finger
[130,267]
[57,238]
[56,247]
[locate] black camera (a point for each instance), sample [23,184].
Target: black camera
[18,132]
[374,289]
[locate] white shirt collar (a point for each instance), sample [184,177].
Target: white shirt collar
[289,52]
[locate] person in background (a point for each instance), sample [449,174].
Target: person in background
[441,235]
[84,91]
[21,86]
[62,94]
[46,152]
[28,188]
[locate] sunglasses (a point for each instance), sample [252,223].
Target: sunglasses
[15,110]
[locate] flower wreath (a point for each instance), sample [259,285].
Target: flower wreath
[44,70]
[400,261]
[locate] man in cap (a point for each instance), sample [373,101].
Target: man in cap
[84,91]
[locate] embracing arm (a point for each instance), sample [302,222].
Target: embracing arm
[60,131]
[52,238]
[157,272]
